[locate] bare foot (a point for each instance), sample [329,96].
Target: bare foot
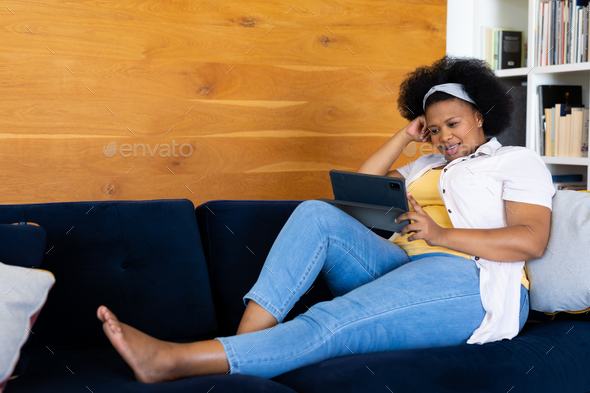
[151,359]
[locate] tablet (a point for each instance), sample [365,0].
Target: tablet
[369,189]
[375,201]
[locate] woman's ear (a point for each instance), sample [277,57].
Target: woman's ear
[479,118]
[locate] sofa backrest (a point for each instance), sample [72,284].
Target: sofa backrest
[142,259]
[237,236]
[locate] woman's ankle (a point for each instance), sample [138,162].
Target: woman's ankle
[255,318]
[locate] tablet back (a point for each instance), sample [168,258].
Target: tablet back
[369,189]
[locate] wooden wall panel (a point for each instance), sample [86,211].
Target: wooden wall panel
[268,95]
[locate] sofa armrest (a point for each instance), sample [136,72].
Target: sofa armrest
[237,235]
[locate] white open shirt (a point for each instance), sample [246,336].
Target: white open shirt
[473,189]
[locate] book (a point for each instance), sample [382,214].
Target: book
[579,187]
[561,32]
[545,34]
[560,134]
[510,51]
[547,147]
[567,136]
[575,146]
[495,37]
[567,178]
[585,126]
[548,96]
[570,186]
[504,48]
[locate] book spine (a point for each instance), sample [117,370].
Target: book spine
[495,49]
[568,31]
[551,45]
[574,33]
[577,124]
[580,33]
[548,130]
[558,30]
[565,33]
[585,43]
[541,24]
[500,44]
[584,149]
[561,133]
[553,131]
[546,46]
[541,120]
[567,136]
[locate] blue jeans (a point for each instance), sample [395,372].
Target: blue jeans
[384,299]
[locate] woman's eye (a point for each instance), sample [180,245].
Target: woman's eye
[452,124]
[434,132]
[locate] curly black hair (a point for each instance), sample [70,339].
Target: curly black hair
[479,81]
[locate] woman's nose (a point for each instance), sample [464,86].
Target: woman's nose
[446,134]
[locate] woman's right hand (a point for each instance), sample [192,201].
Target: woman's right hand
[417,131]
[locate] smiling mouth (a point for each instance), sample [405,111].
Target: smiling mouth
[452,149]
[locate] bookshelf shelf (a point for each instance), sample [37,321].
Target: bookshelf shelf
[561,68]
[467,21]
[523,71]
[566,160]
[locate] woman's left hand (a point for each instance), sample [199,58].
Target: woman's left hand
[423,226]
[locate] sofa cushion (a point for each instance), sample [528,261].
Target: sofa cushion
[545,357]
[22,245]
[23,291]
[143,259]
[559,279]
[237,236]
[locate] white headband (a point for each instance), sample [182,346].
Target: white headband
[454,89]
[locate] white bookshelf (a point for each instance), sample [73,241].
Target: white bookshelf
[466,23]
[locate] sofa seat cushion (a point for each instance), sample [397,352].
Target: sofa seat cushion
[102,370]
[142,259]
[545,357]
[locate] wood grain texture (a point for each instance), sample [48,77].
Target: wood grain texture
[268,96]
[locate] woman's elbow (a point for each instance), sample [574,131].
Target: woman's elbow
[537,250]
[537,253]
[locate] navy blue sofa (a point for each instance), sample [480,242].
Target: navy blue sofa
[179,274]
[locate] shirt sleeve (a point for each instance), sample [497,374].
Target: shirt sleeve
[528,180]
[406,169]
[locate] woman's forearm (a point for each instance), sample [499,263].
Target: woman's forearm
[508,244]
[380,162]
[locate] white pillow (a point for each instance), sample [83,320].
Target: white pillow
[23,293]
[560,279]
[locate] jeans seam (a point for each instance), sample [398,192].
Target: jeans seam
[333,331]
[523,304]
[231,356]
[305,275]
[374,275]
[265,304]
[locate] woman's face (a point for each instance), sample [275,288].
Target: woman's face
[454,128]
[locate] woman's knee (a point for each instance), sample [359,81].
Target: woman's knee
[319,211]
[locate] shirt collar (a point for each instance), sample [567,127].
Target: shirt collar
[489,147]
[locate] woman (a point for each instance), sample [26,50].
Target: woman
[453,276]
